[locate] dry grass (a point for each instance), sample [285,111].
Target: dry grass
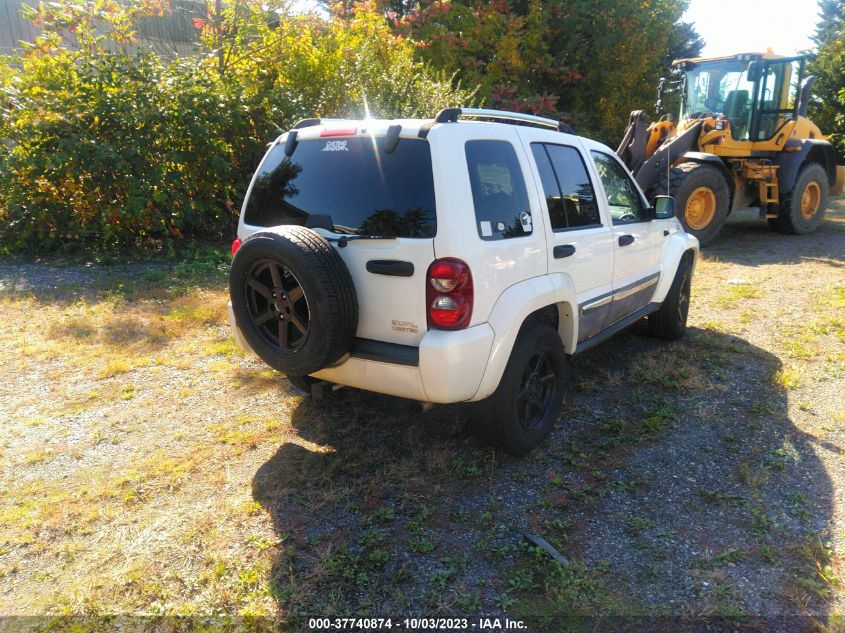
[122,488]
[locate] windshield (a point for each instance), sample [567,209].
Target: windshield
[720,88]
[353,181]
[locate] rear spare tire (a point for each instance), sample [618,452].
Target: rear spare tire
[293,299]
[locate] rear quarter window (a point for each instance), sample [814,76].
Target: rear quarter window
[498,187]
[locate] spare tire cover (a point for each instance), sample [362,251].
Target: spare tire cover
[293,299]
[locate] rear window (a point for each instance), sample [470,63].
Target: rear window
[362,189]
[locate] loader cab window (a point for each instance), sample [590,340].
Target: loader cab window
[755,109]
[735,95]
[778,94]
[720,88]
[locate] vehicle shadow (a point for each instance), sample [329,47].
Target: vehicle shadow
[675,476]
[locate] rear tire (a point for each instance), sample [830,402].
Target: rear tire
[670,321]
[526,404]
[802,210]
[701,197]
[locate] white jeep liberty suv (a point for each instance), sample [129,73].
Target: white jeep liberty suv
[456,259]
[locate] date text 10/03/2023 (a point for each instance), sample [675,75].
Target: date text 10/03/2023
[416,624]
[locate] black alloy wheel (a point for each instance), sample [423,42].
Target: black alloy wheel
[683,298]
[536,390]
[277,305]
[526,404]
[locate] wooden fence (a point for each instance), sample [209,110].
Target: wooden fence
[172,34]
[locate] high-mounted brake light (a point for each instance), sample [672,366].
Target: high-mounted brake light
[339,131]
[449,294]
[236,245]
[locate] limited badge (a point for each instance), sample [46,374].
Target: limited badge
[405,326]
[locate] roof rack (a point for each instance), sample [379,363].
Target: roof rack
[450,115]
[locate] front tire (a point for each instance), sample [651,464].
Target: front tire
[670,321]
[702,198]
[526,404]
[802,210]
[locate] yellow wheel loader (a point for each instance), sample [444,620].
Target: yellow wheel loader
[742,140]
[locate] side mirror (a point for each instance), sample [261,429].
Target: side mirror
[755,70]
[664,207]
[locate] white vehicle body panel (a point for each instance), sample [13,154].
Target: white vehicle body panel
[512,277]
[391,309]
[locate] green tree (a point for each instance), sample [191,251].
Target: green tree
[828,107]
[587,61]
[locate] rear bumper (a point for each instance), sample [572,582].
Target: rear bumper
[449,369]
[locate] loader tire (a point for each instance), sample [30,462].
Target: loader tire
[802,209]
[701,198]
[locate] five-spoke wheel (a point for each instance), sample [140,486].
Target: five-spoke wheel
[277,305]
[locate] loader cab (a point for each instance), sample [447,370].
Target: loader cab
[756,93]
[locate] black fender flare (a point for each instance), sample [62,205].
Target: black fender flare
[814,150]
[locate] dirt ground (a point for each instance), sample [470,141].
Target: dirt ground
[147,466]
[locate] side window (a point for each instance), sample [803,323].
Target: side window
[551,190]
[570,198]
[498,190]
[579,199]
[625,202]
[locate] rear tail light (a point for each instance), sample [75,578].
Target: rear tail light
[236,245]
[449,294]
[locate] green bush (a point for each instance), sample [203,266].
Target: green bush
[109,146]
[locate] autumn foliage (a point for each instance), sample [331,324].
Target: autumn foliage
[108,143]
[589,62]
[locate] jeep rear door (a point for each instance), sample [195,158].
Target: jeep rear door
[487,214]
[580,243]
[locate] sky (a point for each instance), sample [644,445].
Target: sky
[745,26]
[736,26]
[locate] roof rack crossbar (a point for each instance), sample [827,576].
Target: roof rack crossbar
[450,115]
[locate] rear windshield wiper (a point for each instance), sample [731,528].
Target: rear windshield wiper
[324,221]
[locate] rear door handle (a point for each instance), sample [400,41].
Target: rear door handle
[390,267]
[563,250]
[625,240]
